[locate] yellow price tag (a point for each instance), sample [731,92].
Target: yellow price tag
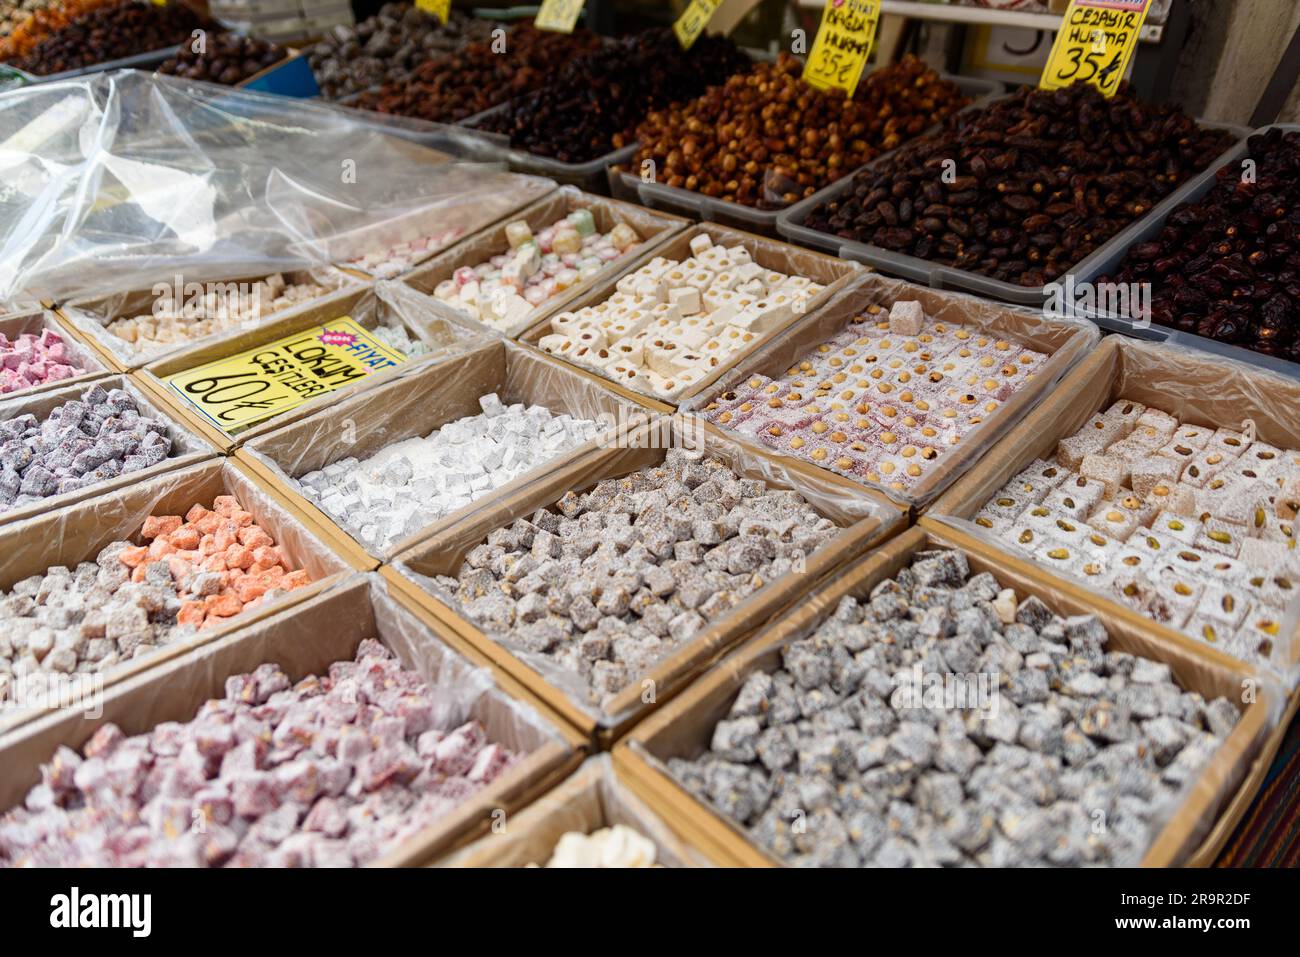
[439,8]
[159,3]
[253,386]
[1095,44]
[844,41]
[560,16]
[693,21]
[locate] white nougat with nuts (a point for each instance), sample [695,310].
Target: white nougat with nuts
[670,324]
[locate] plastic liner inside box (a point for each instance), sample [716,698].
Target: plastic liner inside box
[187,448]
[304,641]
[1063,341]
[93,317]
[388,304]
[120,178]
[863,520]
[424,401]
[77,533]
[1182,831]
[596,796]
[651,227]
[832,274]
[34,323]
[1196,389]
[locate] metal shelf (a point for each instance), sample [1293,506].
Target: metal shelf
[953,13]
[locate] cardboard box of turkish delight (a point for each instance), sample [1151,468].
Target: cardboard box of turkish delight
[101,470]
[131,329]
[376,524]
[79,635]
[519,314]
[660,657]
[901,388]
[31,364]
[1199,537]
[294,364]
[672,355]
[1208,789]
[494,750]
[596,797]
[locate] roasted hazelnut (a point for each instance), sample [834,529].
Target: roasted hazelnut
[794,139]
[1026,187]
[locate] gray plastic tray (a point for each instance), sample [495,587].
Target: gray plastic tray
[134,62]
[1147,229]
[790,225]
[685,202]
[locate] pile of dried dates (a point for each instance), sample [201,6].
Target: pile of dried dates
[1025,188]
[592,106]
[226,58]
[1228,265]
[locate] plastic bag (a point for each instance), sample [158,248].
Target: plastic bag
[115,181]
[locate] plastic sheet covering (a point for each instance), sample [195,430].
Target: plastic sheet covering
[864,520]
[1193,386]
[594,797]
[77,533]
[1065,341]
[684,727]
[305,640]
[115,181]
[423,402]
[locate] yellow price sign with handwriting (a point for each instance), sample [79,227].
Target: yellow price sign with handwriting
[559,16]
[1095,44]
[844,41]
[439,8]
[242,390]
[693,21]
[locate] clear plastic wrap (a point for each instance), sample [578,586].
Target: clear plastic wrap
[187,447]
[1176,834]
[305,640]
[77,533]
[596,796]
[653,228]
[832,274]
[117,180]
[422,402]
[38,320]
[1190,385]
[93,317]
[1065,341]
[864,520]
[383,303]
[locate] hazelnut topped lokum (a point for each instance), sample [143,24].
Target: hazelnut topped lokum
[672,324]
[608,582]
[884,400]
[1191,525]
[848,755]
[333,771]
[503,291]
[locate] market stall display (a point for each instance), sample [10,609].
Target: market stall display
[226,58]
[386,47]
[767,139]
[479,76]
